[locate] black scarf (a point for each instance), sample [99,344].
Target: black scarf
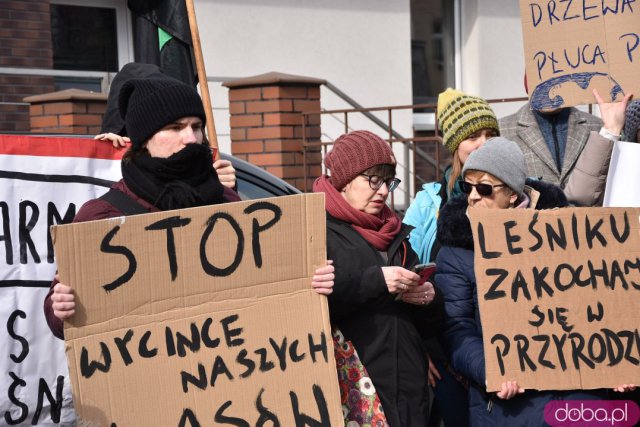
[183,180]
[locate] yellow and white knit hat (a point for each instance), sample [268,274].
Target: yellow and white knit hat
[461,115]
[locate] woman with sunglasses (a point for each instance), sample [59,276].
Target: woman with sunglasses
[494,177]
[377,302]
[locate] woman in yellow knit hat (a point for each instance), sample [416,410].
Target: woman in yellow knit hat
[465,122]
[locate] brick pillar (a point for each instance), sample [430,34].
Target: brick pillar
[68,111]
[266,124]
[25,42]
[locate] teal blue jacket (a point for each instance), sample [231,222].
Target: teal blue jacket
[422,215]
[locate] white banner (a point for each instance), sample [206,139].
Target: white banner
[624,175]
[43,181]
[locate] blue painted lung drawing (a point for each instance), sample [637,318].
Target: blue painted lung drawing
[540,98]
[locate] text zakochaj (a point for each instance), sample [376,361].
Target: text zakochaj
[567,280]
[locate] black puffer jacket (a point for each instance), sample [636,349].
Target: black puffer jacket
[386,333]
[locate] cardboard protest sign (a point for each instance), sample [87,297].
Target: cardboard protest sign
[622,188]
[567,281]
[201,315]
[573,47]
[43,181]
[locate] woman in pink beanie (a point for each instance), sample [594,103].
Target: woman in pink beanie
[378,303]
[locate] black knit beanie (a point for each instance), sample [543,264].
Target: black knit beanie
[148,105]
[632,121]
[112,121]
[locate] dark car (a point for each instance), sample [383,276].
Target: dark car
[256,183]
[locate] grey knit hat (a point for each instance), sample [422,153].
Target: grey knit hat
[501,158]
[632,121]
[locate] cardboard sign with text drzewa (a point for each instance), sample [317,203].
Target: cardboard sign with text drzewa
[201,316]
[573,47]
[558,292]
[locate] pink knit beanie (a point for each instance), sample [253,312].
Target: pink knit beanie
[354,153]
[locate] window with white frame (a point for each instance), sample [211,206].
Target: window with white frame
[89,36]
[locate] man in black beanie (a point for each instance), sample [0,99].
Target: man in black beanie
[168,166]
[113,124]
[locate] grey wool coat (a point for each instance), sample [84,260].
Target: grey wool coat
[586,158]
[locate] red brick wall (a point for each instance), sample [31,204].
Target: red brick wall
[66,117]
[25,42]
[266,129]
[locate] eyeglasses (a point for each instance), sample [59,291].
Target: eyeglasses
[482,189]
[376,181]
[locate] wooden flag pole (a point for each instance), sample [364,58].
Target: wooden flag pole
[202,78]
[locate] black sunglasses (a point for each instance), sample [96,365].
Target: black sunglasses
[482,189]
[376,181]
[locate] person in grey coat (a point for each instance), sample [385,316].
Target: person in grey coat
[568,147]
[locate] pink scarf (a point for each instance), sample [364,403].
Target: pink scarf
[379,230]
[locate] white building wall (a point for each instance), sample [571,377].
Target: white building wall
[361,46]
[492,52]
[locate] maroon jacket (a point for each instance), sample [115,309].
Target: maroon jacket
[101,209]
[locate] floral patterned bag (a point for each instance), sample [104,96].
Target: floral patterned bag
[361,405]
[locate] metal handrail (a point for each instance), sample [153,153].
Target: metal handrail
[424,155]
[357,106]
[392,135]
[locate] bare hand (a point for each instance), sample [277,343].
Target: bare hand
[420,295]
[63,301]
[623,388]
[226,173]
[399,279]
[117,140]
[433,374]
[612,113]
[509,390]
[322,281]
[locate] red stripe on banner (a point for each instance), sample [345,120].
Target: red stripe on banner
[50,146]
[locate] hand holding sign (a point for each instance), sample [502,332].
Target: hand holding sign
[63,300]
[226,173]
[625,388]
[115,139]
[509,389]
[322,281]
